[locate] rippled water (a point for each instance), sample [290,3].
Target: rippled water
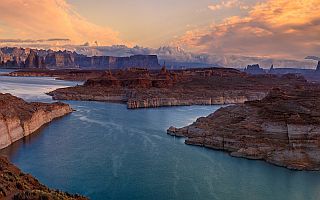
[105,151]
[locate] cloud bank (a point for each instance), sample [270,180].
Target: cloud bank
[275,28]
[42,19]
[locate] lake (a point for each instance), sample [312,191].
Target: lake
[105,151]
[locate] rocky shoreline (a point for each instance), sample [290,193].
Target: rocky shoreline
[140,88]
[19,119]
[282,129]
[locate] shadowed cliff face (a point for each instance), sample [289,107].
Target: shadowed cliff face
[16,185]
[283,129]
[19,118]
[143,88]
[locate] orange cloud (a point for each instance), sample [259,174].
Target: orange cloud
[41,19]
[277,28]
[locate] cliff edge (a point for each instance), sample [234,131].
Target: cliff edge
[19,118]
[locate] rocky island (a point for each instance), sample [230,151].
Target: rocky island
[143,88]
[283,129]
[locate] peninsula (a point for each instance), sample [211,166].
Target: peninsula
[283,129]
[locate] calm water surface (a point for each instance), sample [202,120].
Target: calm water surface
[105,151]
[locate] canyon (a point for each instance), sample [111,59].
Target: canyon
[13,57]
[283,129]
[143,88]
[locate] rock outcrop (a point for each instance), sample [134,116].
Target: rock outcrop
[60,59]
[13,57]
[254,69]
[34,60]
[141,88]
[15,185]
[19,118]
[282,129]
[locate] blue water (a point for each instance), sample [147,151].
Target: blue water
[105,151]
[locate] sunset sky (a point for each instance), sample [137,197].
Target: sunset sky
[274,28]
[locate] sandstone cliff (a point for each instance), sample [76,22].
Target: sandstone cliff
[15,185]
[19,118]
[283,129]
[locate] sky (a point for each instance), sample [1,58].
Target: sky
[266,28]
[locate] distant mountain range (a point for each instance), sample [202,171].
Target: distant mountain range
[13,57]
[120,56]
[178,57]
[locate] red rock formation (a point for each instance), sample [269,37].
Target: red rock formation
[143,88]
[283,129]
[15,185]
[19,118]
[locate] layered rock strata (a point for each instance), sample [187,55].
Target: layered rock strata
[19,118]
[15,185]
[282,129]
[140,88]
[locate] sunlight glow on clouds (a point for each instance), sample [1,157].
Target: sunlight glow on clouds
[42,19]
[264,28]
[277,28]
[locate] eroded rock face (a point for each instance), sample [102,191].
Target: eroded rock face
[16,185]
[60,59]
[19,118]
[34,60]
[283,129]
[13,56]
[142,88]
